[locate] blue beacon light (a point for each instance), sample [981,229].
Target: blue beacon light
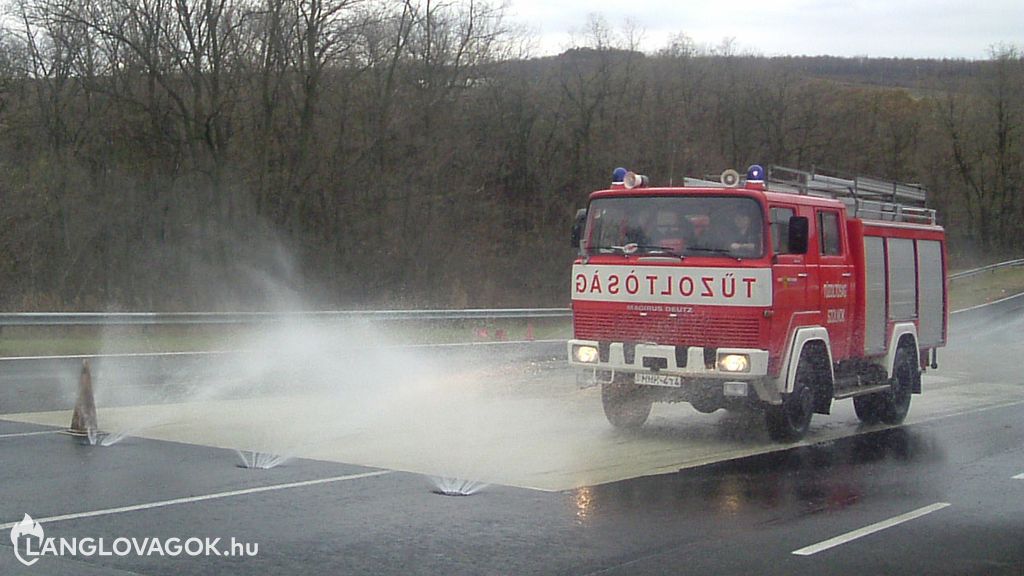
[618,175]
[755,173]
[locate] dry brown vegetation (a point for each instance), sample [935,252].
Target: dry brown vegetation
[229,154]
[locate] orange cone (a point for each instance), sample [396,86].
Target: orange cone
[83,420]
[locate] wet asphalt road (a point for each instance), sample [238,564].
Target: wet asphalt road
[737,517]
[745,516]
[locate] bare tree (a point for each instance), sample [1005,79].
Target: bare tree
[983,128]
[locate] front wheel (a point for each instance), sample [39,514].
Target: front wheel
[626,405]
[789,421]
[705,406]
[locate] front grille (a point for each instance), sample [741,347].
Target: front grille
[705,327]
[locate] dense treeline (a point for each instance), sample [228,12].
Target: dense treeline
[222,154]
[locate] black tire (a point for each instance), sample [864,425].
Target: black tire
[626,405]
[867,408]
[789,421]
[705,405]
[894,405]
[891,407]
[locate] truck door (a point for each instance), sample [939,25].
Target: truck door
[790,279]
[836,279]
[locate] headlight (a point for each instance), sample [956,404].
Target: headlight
[585,354]
[734,363]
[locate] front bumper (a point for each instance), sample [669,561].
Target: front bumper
[686,361]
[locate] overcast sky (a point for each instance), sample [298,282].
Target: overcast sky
[877,28]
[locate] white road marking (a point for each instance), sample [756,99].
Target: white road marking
[927,419]
[1019,477]
[1000,301]
[201,498]
[877,527]
[19,434]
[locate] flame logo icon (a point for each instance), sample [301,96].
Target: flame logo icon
[27,527]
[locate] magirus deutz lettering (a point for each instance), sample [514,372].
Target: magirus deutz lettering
[777,293]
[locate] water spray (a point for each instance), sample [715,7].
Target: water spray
[254,460]
[456,487]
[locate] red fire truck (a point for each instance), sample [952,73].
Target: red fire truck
[778,293]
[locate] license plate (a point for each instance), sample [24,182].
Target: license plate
[651,379]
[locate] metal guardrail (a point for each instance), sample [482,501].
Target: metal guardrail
[227,318]
[183,318]
[990,267]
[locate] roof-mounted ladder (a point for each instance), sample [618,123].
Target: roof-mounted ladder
[865,197]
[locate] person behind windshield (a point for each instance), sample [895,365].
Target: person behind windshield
[738,233]
[745,236]
[640,229]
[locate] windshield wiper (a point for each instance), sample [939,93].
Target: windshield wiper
[721,251]
[619,249]
[632,248]
[653,249]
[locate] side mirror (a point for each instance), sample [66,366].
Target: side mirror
[577,227]
[798,232]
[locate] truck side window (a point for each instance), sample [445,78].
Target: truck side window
[780,229]
[828,233]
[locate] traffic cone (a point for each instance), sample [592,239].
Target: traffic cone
[83,420]
[529,331]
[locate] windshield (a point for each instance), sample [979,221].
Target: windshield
[679,225]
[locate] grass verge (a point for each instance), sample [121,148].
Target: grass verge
[45,341]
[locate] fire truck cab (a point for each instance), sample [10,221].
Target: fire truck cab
[780,293]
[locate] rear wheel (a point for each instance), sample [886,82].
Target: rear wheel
[626,405]
[891,407]
[896,404]
[789,421]
[867,408]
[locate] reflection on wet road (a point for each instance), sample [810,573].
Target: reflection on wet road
[812,479]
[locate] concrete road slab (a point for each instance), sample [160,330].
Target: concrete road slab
[558,442]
